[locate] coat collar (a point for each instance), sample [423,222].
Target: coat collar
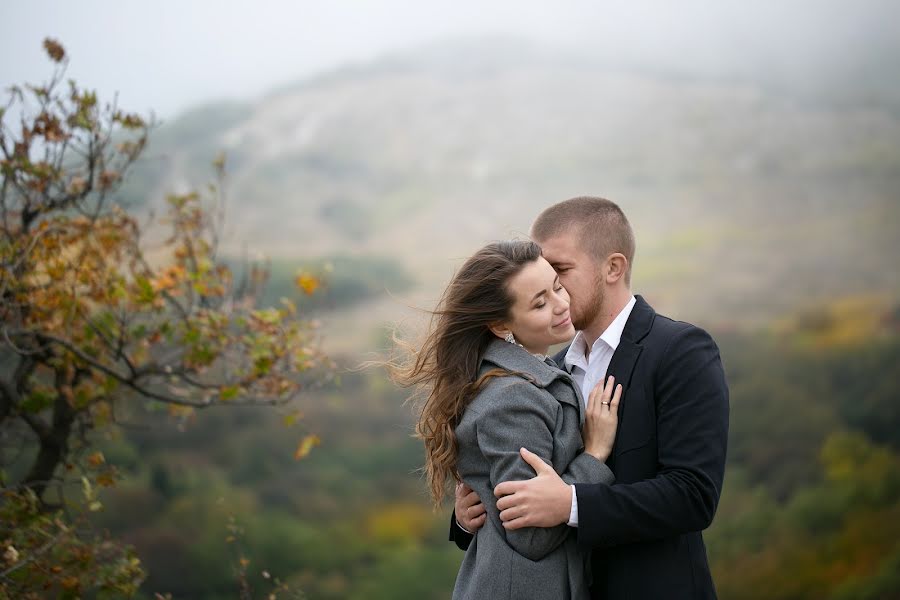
[515,358]
[639,322]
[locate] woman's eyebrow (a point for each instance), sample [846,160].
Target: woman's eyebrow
[542,292]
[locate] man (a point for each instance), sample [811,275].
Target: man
[644,531]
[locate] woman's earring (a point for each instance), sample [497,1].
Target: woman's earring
[510,338]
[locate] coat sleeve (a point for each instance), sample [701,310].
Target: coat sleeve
[520,415]
[692,433]
[458,535]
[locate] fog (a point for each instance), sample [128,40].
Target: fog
[167,56]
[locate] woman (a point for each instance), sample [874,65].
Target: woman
[488,390]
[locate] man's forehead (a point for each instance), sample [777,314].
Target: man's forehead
[561,248]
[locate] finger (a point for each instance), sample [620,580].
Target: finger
[608,388]
[476,511]
[506,488]
[536,462]
[516,523]
[462,490]
[592,397]
[477,522]
[510,514]
[614,403]
[506,502]
[470,499]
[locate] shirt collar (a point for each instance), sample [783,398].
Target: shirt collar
[610,337]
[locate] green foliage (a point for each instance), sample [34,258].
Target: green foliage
[48,553]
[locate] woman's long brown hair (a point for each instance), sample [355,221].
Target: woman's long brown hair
[444,369]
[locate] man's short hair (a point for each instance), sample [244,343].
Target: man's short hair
[600,224]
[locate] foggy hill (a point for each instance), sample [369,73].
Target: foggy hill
[747,200]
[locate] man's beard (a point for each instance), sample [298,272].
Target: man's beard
[592,308]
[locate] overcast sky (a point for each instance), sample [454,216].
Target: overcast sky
[168,55]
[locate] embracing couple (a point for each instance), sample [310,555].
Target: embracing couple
[625,428]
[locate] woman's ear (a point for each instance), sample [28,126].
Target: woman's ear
[616,265]
[500,330]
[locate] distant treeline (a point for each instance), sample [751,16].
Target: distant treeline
[810,509]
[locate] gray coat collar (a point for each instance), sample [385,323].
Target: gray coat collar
[515,358]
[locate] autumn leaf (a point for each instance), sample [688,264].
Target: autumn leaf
[291,418]
[96,459]
[54,50]
[306,445]
[76,186]
[70,583]
[107,179]
[107,479]
[307,282]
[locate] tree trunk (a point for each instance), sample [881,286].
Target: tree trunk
[54,446]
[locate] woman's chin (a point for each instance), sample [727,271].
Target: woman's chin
[563,337]
[566,336]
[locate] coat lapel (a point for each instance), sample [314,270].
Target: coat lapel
[621,366]
[625,358]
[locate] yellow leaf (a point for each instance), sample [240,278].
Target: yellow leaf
[96,459]
[307,282]
[306,445]
[292,418]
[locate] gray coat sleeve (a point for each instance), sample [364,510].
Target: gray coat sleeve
[585,468]
[516,415]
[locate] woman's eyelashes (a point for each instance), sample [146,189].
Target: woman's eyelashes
[557,289]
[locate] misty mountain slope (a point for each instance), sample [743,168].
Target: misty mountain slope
[742,200]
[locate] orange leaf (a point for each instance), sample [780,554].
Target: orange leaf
[307,282]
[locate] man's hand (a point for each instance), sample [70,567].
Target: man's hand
[470,513]
[542,501]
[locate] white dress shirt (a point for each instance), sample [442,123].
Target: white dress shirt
[590,369]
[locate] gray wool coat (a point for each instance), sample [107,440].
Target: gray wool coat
[541,410]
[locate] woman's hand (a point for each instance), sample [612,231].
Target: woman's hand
[601,419]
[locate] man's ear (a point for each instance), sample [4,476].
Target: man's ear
[499,329]
[616,266]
